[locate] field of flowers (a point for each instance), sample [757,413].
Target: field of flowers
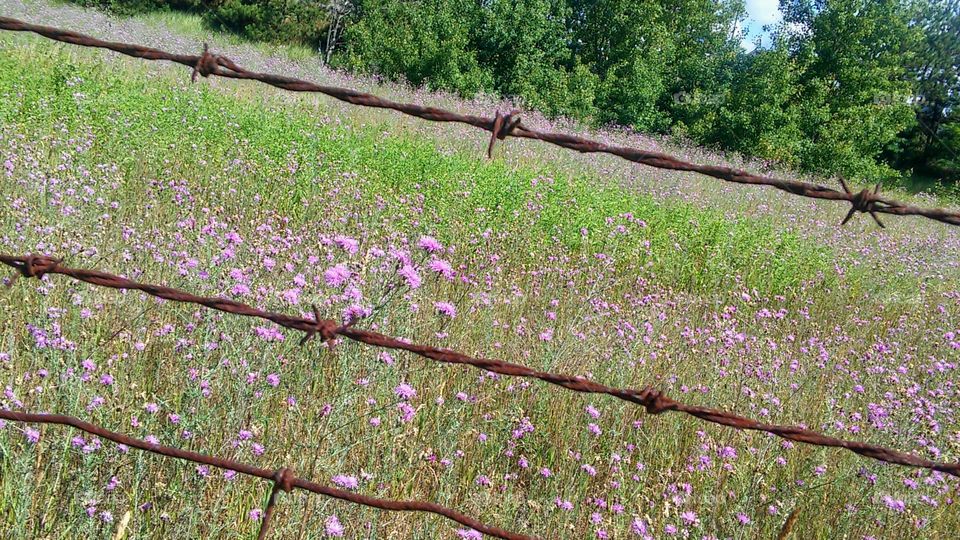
[742,299]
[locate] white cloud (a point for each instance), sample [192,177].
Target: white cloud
[738,29]
[743,34]
[759,14]
[763,11]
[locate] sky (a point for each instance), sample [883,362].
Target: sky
[759,13]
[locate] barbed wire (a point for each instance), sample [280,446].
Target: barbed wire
[283,479]
[500,126]
[654,401]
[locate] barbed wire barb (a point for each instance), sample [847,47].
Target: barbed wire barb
[282,481]
[864,201]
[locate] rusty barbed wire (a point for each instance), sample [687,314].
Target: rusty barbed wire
[651,399]
[500,126]
[283,479]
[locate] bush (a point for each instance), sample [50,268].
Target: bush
[270,20]
[425,42]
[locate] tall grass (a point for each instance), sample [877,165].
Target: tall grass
[235,190]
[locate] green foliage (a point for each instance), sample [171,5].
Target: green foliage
[759,115]
[425,42]
[853,55]
[931,145]
[626,44]
[700,71]
[131,7]
[947,160]
[262,20]
[270,20]
[523,45]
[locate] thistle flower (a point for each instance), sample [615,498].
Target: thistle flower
[32,435]
[445,308]
[350,245]
[405,391]
[346,481]
[592,411]
[442,267]
[337,275]
[409,273]
[429,244]
[333,527]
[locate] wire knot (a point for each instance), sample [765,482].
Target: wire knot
[325,327]
[655,402]
[865,202]
[38,265]
[206,65]
[284,478]
[503,126]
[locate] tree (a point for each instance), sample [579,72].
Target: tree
[759,114]
[302,21]
[426,42]
[930,145]
[704,60]
[852,55]
[338,12]
[627,45]
[525,45]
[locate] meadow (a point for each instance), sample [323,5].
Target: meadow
[743,299]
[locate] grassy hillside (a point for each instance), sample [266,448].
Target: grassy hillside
[283,202]
[296,156]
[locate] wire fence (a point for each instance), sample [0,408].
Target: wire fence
[500,126]
[283,479]
[654,401]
